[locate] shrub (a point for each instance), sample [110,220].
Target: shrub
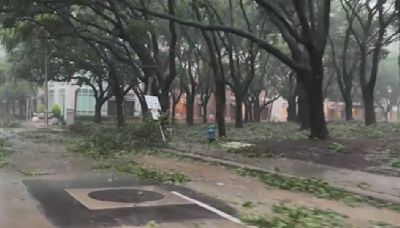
[147,132]
[91,118]
[9,121]
[104,143]
[147,173]
[83,128]
[288,215]
[40,108]
[99,146]
[56,110]
[396,163]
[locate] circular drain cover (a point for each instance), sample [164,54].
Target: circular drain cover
[125,195]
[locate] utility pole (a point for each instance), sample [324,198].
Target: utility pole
[46,85]
[46,89]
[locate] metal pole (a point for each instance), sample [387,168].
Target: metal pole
[26,108]
[46,89]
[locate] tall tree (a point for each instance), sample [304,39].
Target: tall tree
[387,93]
[240,53]
[205,87]
[345,59]
[306,38]
[370,27]
[219,78]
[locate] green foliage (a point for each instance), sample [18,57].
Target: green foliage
[152,224]
[317,188]
[35,136]
[3,163]
[314,186]
[11,89]
[164,120]
[396,163]
[146,173]
[91,118]
[56,110]
[337,147]
[4,152]
[43,136]
[291,216]
[102,165]
[147,130]
[101,146]
[257,221]
[248,204]
[382,225]
[253,132]
[363,185]
[359,130]
[250,152]
[8,121]
[32,173]
[105,143]
[139,29]
[250,133]
[388,83]
[4,148]
[82,128]
[40,108]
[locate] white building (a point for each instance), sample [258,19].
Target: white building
[65,94]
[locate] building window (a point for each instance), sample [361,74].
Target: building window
[61,100]
[51,99]
[85,102]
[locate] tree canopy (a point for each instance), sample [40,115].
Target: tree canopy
[289,49]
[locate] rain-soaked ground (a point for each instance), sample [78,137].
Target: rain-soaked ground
[45,185]
[59,189]
[111,201]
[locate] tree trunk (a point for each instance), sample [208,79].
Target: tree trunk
[21,108]
[166,83]
[238,111]
[13,108]
[204,104]
[143,105]
[219,78]
[316,102]
[220,101]
[398,105]
[173,111]
[246,112]
[349,107]
[369,107]
[292,112]
[257,110]
[303,115]
[97,112]
[189,109]
[250,112]
[164,100]
[292,109]
[386,114]
[7,108]
[119,100]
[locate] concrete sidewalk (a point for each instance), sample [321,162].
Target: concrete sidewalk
[17,207]
[378,186]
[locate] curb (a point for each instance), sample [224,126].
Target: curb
[375,195]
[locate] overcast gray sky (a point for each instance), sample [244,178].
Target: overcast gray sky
[394,48]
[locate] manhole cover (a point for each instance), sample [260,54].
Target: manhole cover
[126,195]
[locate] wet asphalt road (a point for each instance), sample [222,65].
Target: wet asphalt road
[63,209]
